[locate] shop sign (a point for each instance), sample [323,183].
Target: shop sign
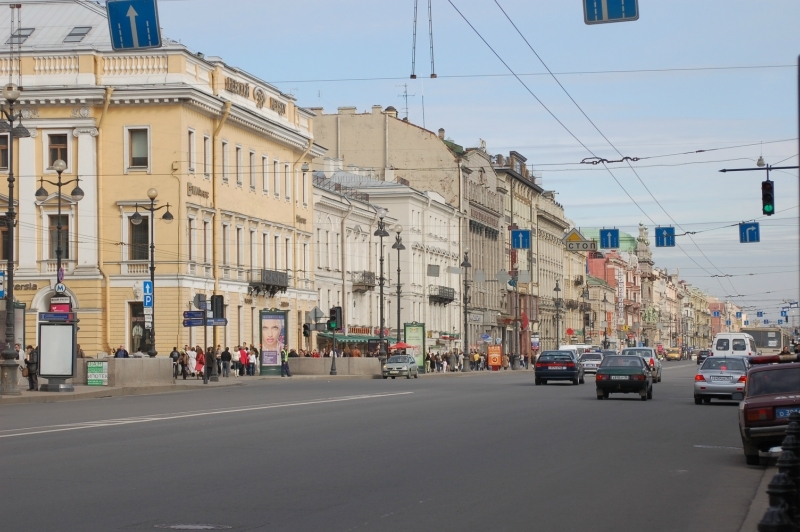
[237,87]
[26,287]
[277,106]
[196,191]
[97,373]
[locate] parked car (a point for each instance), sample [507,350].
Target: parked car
[719,378]
[558,366]
[650,358]
[702,355]
[673,353]
[401,366]
[624,374]
[772,393]
[591,361]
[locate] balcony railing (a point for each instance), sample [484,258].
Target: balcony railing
[268,281]
[441,294]
[363,281]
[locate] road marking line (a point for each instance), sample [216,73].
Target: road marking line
[676,367]
[181,415]
[716,447]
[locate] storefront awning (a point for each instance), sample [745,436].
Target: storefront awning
[349,338]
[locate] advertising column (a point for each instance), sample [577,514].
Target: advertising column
[415,337]
[273,340]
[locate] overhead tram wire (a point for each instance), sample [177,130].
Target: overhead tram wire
[627,160]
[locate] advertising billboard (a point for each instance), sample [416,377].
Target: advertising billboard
[415,337]
[274,329]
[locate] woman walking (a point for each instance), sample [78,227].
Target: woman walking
[192,354]
[183,361]
[201,362]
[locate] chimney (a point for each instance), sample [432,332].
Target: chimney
[377,109]
[347,110]
[441,133]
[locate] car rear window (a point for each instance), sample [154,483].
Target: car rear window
[637,352]
[723,344]
[778,380]
[592,356]
[551,357]
[622,361]
[739,344]
[723,364]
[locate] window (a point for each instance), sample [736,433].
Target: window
[239,163]
[206,156]
[264,251]
[287,254]
[225,161]
[276,176]
[265,172]
[225,259]
[139,240]
[5,241]
[305,188]
[252,170]
[275,250]
[4,152]
[20,36]
[78,33]
[190,154]
[57,146]
[191,239]
[238,247]
[205,242]
[253,251]
[138,149]
[54,241]
[288,182]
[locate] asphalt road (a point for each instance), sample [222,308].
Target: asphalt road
[474,452]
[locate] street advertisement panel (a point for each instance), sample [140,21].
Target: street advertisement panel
[97,373]
[415,337]
[495,356]
[273,339]
[57,350]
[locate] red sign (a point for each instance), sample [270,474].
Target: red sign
[60,307]
[570,332]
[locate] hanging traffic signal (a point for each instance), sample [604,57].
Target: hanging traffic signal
[768,197]
[306,330]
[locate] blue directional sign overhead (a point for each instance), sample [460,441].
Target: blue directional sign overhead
[749,233]
[665,237]
[147,288]
[784,313]
[716,314]
[133,24]
[766,322]
[746,323]
[780,322]
[759,314]
[738,315]
[609,238]
[727,322]
[521,238]
[602,11]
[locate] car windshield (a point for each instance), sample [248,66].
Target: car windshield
[636,352]
[592,356]
[398,360]
[621,362]
[739,345]
[703,353]
[552,357]
[773,381]
[723,364]
[609,353]
[723,344]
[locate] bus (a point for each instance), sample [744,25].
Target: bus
[769,339]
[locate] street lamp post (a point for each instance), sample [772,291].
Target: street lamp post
[77,194]
[9,364]
[398,245]
[465,343]
[605,321]
[136,219]
[585,296]
[382,233]
[557,301]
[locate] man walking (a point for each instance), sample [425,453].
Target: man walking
[174,355]
[226,357]
[285,363]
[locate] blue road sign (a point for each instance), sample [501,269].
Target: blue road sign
[56,316]
[148,300]
[759,314]
[665,237]
[609,238]
[780,322]
[147,288]
[603,11]
[133,24]
[746,323]
[738,315]
[2,284]
[217,322]
[727,322]
[784,313]
[485,337]
[521,238]
[749,233]
[193,323]
[766,322]
[194,314]
[716,314]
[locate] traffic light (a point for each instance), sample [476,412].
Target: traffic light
[768,197]
[335,321]
[218,306]
[306,330]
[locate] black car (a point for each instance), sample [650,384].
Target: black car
[624,374]
[702,355]
[558,366]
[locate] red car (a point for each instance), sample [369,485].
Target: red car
[772,393]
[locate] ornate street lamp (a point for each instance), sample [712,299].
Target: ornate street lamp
[605,321]
[558,302]
[398,245]
[136,219]
[381,233]
[465,344]
[9,364]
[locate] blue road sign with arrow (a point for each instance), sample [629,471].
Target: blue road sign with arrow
[738,315]
[133,24]
[603,11]
[784,313]
[665,237]
[746,323]
[766,322]
[609,238]
[521,238]
[749,233]
[759,314]
[780,322]
[716,314]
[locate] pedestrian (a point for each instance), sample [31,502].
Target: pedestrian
[174,355]
[285,363]
[183,360]
[461,361]
[505,361]
[428,362]
[192,355]
[226,362]
[200,362]
[255,352]
[121,353]
[32,365]
[242,362]
[81,354]
[444,363]
[251,364]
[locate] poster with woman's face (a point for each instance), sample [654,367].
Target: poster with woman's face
[273,338]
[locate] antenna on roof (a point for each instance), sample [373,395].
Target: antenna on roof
[405,96]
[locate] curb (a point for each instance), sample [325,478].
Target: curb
[760,502]
[45,397]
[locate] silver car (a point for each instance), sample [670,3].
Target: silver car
[591,361]
[400,366]
[650,358]
[719,378]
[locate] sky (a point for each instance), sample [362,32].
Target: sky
[694,75]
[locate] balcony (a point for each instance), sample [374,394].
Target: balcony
[268,282]
[441,294]
[363,281]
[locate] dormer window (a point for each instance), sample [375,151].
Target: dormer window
[78,33]
[20,36]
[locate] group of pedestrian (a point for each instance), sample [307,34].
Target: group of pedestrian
[442,362]
[194,361]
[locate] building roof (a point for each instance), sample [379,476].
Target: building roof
[596,281]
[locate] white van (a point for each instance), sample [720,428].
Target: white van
[578,349]
[733,344]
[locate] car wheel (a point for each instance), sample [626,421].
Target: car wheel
[392,378]
[416,375]
[643,395]
[582,380]
[605,395]
[697,400]
[385,377]
[707,400]
[752,459]
[537,382]
[408,375]
[575,382]
[650,393]
[544,381]
[600,396]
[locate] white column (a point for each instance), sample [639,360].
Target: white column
[27,211]
[87,232]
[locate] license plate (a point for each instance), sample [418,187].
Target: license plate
[394,372]
[619,377]
[721,379]
[591,365]
[783,413]
[557,367]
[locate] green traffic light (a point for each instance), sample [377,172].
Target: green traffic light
[769,209]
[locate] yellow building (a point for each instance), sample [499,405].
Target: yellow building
[227,153]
